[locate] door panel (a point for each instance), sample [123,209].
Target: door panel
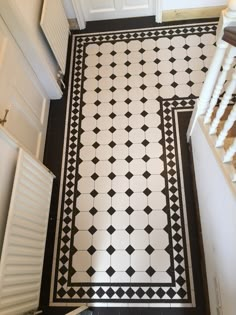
[21,94]
[114,9]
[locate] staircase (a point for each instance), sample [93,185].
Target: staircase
[216,107]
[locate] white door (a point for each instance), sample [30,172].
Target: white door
[22,95]
[115,9]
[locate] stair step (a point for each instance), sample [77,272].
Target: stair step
[228,142]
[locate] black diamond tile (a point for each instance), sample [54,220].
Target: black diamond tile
[127,75]
[129,229]
[96,130]
[149,249]
[90,271]
[127,63]
[112,144]
[127,88]
[146,174]
[111,176]
[95,160]
[160,292]
[120,292]
[140,293]
[110,271]
[148,229]
[144,128]
[94,193]
[189,70]
[111,193]
[97,90]
[94,176]
[150,271]
[96,145]
[129,192]
[128,143]
[130,249]
[127,52]
[113,76]
[91,250]
[147,191]
[142,74]
[112,160]
[92,230]
[145,142]
[173,72]
[129,210]
[112,89]
[128,101]
[93,211]
[148,210]
[141,50]
[98,77]
[130,271]
[128,115]
[111,210]
[112,115]
[174,84]
[112,102]
[111,229]
[97,103]
[100,292]
[146,158]
[110,250]
[128,128]
[130,292]
[129,175]
[113,64]
[129,159]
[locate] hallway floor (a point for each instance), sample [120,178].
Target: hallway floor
[126,229]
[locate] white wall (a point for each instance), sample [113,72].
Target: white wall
[217,203]
[70,13]
[185,4]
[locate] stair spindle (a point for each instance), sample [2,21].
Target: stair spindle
[227,126]
[220,83]
[230,153]
[224,103]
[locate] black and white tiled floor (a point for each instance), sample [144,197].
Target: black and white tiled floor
[123,237]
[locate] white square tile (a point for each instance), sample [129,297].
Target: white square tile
[164,54]
[152,120]
[90,84]
[102,202]
[135,57]
[135,94]
[120,238]
[82,240]
[105,71]
[149,67]
[104,152]
[154,150]
[150,79]
[148,44]
[120,70]
[157,200]
[105,109]
[120,82]
[105,60]
[100,261]
[120,95]
[136,107]
[86,168]
[138,183]
[105,84]
[163,43]
[88,123]
[139,220]
[151,93]
[103,168]
[158,219]
[159,239]
[140,261]
[134,45]
[120,260]
[120,136]
[102,220]
[104,123]
[134,69]
[136,121]
[120,201]
[83,221]
[120,58]
[104,137]
[101,240]
[135,81]
[137,136]
[120,122]
[104,96]
[120,167]
[155,166]
[102,184]
[160,260]
[137,167]
[92,49]
[120,108]
[120,221]
[120,151]
[153,134]
[156,183]
[138,201]
[81,260]
[137,151]
[139,239]
[100,277]
[84,202]
[152,106]
[120,184]
[85,185]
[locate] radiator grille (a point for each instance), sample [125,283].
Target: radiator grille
[55,26]
[24,242]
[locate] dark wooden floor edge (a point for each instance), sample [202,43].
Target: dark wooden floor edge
[199,230]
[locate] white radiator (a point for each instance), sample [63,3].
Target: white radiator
[25,235]
[55,26]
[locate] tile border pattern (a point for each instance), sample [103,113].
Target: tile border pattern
[68,293]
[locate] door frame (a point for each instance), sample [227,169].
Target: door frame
[81,19]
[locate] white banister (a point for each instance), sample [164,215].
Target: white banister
[228,17]
[220,83]
[225,101]
[208,86]
[227,126]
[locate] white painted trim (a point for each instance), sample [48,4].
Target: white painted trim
[79,14]
[158,16]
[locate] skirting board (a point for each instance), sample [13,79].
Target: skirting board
[194,13]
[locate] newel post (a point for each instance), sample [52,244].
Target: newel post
[228,16]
